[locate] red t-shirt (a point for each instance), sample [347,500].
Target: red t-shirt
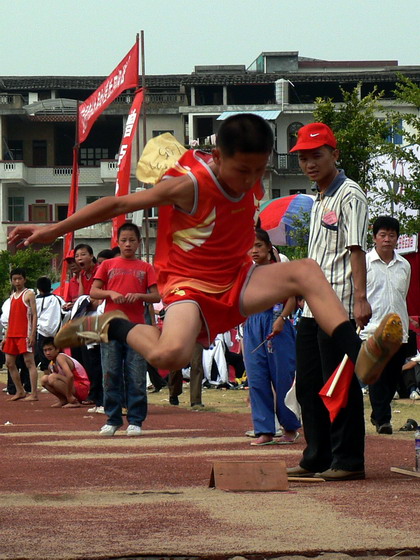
[87,282]
[206,248]
[126,276]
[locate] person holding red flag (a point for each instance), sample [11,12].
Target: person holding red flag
[337,242]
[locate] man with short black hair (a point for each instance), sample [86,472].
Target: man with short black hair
[388,280]
[337,242]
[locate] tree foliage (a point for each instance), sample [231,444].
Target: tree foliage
[364,130]
[359,132]
[35,262]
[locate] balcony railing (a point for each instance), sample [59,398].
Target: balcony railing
[285,163]
[18,172]
[11,101]
[155,99]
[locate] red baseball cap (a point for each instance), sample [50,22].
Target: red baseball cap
[69,256]
[313,136]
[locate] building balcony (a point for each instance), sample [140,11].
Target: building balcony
[97,231]
[18,172]
[11,101]
[285,164]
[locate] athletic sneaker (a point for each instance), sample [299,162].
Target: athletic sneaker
[86,330]
[415,395]
[96,410]
[108,430]
[133,430]
[378,349]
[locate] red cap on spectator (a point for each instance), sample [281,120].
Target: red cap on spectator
[313,136]
[69,256]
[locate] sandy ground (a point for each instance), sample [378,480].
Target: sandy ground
[68,493]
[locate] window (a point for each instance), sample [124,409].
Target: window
[61,212]
[395,135]
[16,208]
[275,193]
[159,132]
[297,191]
[91,157]
[292,130]
[14,150]
[39,153]
[90,199]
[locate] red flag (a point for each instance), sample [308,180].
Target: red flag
[122,186]
[69,237]
[335,392]
[125,76]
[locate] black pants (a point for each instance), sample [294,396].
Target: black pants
[91,361]
[382,392]
[339,445]
[175,379]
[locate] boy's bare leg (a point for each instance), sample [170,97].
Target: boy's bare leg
[172,347]
[47,381]
[275,283]
[33,376]
[14,374]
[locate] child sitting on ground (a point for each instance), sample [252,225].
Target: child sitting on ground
[67,379]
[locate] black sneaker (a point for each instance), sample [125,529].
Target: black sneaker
[174,401]
[384,429]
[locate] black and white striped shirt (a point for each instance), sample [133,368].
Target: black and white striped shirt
[339,220]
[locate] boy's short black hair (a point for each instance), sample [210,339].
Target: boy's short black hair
[18,272]
[246,133]
[128,226]
[387,223]
[48,341]
[105,254]
[43,284]
[83,246]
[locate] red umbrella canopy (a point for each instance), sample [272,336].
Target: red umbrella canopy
[278,215]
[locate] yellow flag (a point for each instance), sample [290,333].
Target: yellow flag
[160,154]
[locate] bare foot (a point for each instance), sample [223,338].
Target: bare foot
[72,405]
[264,439]
[17,397]
[31,398]
[58,404]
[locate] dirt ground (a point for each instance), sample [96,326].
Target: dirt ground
[68,493]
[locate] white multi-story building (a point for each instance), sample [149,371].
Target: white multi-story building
[37,125]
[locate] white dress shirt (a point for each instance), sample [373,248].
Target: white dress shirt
[387,286]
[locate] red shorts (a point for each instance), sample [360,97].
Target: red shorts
[81,390]
[219,312]
[16,345]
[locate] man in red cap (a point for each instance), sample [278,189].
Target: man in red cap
[337,241]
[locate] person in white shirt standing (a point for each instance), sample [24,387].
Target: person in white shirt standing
[388,280]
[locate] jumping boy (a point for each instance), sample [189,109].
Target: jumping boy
[205,275]
[67,378]
[20,335]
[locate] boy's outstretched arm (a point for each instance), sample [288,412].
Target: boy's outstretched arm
[177,190]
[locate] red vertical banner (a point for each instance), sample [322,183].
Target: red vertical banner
[122,186]
[69,237]
[125,76]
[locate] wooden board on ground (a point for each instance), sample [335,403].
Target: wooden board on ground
[249,476]
[408,471]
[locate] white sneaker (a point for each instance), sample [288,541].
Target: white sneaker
[396,396]
[108,430]
[414,395]
[4,389]
[44,390]
[133,430]
[100,410]
[92,410]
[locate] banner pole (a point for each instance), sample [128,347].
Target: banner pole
[143,85]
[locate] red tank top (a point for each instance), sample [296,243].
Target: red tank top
[20,317]
[207,247]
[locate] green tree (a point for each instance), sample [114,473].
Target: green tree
[36,262]
[359,131]
[402,174]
